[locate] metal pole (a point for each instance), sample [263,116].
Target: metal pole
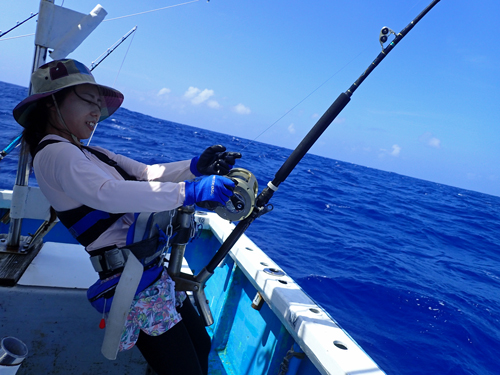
[23,168]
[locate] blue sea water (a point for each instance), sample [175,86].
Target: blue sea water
[410,268]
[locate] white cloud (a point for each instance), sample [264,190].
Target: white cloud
[395,150]
[429,139]
[163,91]
[434,142]
[241,109]
[191,92]
[213,104]
[291,128]
[202,96]
[197,96]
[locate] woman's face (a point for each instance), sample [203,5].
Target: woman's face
[80,111]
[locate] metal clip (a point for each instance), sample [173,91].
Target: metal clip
[116,258]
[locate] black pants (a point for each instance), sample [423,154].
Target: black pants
[182,350]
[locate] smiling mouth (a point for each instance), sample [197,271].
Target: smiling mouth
[91,124]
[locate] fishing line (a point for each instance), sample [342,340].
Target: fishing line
[261,205]
[305,98]
[316,89]
[409,10]
[124,57]
[7,150]
[119,70]
[150,11]
[111,49]
[111,19]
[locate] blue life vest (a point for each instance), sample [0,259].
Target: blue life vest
[100,294]
[86,224]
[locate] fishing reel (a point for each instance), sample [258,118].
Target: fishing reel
[243,200]
[241,203]
[384,35]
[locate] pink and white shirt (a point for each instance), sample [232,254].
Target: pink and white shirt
[70,177]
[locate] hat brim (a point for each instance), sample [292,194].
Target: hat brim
[111,100]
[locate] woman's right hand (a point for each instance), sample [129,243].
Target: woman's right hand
[208,189]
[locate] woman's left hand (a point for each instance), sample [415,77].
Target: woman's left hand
[215,160]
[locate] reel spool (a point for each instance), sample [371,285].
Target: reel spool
[242,202]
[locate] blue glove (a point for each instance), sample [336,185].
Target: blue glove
[211,188]
[214,160]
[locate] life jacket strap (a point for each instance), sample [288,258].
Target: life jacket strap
[122,300]
[100,155]
[84,223]
[110,260]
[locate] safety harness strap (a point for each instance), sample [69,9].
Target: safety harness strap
[142,224]
[86,224]
[124,296]
[100,155]
[105,159]
[111,260]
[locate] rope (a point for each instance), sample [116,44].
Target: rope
[17,25]
[150,11]
[15,37]
[286,361]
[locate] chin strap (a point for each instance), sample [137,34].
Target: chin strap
[93,131]
[75,139]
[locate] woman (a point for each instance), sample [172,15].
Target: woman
[95,193]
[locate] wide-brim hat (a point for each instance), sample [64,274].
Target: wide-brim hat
[60,74]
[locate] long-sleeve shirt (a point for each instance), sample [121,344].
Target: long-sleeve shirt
[70,177]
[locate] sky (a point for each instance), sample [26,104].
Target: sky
[267,70]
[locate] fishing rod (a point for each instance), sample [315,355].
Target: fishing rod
[261,204]
[110,50]
[17,25]
[12,145]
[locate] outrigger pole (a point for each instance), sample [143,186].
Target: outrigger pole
[304,146]
[17,25]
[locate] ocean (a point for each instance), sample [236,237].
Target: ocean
[409,268]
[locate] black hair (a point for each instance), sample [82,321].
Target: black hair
[38,119]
